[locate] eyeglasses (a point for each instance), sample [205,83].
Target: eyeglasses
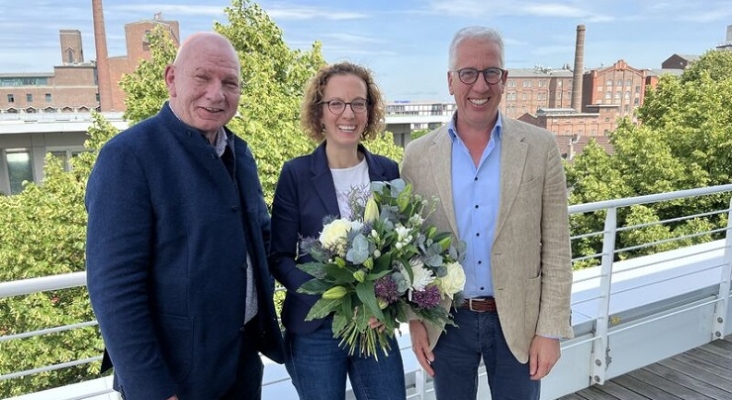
[358,106]
[491,75]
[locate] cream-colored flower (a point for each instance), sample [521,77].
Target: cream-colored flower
[416,220]
[334,236]
[371,213]
[421,276]
[454,281]
[402,233]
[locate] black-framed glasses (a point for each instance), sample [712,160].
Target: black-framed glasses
[491,75]
[358,106]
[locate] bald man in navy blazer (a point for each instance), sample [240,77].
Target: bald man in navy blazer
[177,241]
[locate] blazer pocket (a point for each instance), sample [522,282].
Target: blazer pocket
[531,306]
[530,184]
[176,341]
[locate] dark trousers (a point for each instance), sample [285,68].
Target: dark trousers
[458,354]
[248,384]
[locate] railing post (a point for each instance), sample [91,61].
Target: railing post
[720,309]
[419,383]
[600,345]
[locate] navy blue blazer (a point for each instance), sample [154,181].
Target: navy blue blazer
[306,194]
[168,235]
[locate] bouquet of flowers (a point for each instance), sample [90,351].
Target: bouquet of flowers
[384,263]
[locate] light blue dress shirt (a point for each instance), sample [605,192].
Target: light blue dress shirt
[476,195]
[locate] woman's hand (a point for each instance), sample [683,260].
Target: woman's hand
[376,324]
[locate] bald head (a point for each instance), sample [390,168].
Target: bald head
[204,82]
[200,40]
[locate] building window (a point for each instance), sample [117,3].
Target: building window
[19,169]
[609,82]
[637,89]
[523,96]
[527,84]
[29,97]
[628,83]
[608,95]
[97,97]
[48,98]
[620,82]
[11,98]
[617,95]
[627,95]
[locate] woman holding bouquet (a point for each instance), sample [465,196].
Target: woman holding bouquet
[342,107]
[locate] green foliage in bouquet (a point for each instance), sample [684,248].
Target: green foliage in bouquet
[383,263]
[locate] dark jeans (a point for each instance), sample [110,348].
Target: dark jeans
[318,367]
[457,358]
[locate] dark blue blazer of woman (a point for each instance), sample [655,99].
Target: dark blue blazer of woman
[306,194]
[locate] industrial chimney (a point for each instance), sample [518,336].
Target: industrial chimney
[100,41]
[579,55]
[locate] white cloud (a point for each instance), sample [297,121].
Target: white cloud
[353,39]
[494,8]
[178,9]
[303,13]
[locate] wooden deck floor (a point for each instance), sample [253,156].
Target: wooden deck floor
[703,373]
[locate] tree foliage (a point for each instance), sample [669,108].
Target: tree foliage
[684,142]
[44,230]
[273,76]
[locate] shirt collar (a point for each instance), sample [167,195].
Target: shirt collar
[452,127]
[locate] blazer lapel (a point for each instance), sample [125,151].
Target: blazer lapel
[513,159]
[376,171]
[440,156]
[323,181]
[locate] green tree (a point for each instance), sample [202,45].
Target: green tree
[44,230]
[684,142]
[273,76]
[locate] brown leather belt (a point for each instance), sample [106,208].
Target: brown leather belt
[480,304]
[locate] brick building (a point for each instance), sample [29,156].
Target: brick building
[529,90]
[74,84]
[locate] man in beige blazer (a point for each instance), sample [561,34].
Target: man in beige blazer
[502,190]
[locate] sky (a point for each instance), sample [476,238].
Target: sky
[404,42]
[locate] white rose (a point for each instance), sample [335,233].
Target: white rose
[334,235]
[454,281]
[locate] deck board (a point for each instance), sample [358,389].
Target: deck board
[704,373]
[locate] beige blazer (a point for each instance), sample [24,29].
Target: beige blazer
[532,273]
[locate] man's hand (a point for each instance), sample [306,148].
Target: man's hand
[543,354]
[421,346]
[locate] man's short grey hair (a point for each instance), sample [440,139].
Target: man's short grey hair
[475,32]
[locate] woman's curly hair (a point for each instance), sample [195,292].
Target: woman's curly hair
[311,111]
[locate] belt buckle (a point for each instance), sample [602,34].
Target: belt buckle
[470,304]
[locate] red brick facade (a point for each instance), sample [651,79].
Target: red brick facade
[73,86]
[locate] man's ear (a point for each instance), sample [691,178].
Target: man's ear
[170,80]
[449,82]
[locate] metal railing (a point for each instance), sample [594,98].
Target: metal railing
[599,327]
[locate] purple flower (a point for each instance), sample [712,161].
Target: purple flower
[427,298]
[386,289]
